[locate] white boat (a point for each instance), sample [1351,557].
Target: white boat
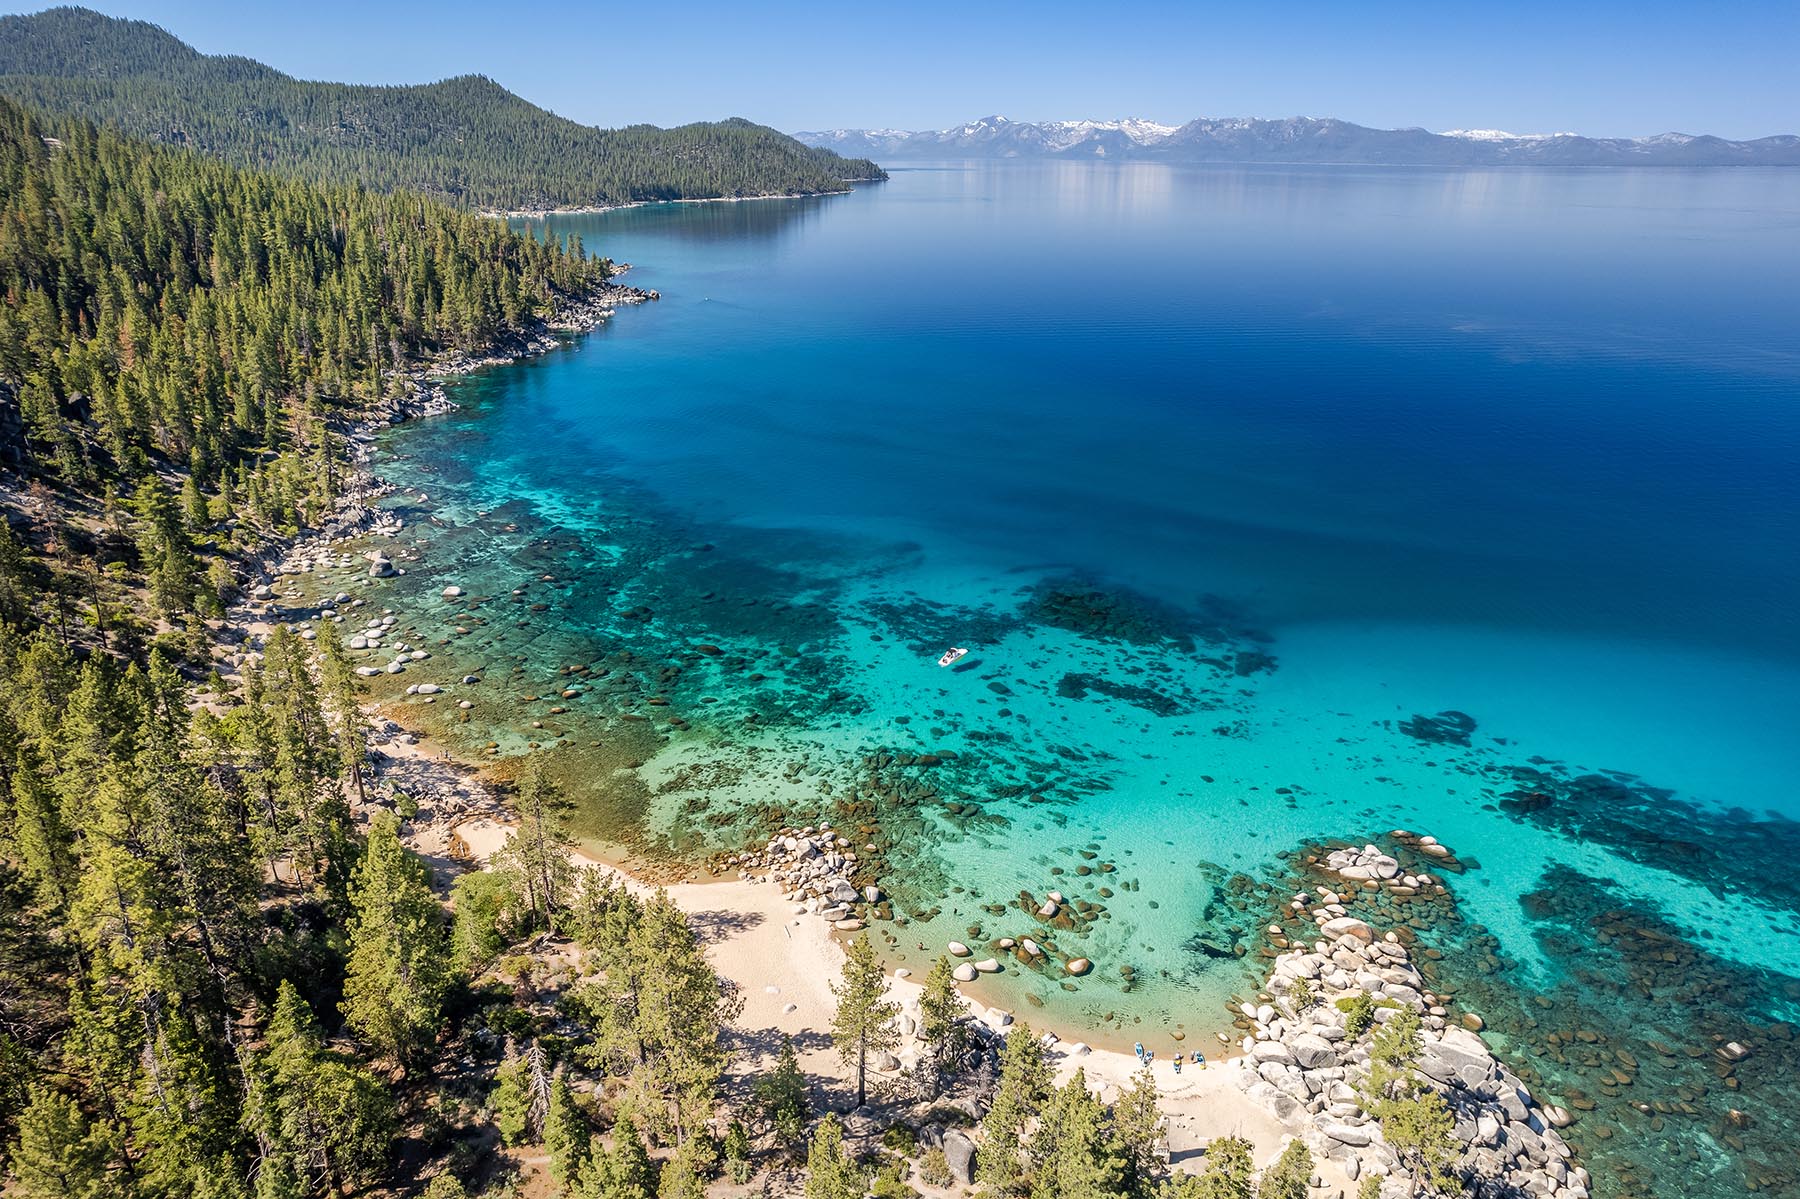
[954,654]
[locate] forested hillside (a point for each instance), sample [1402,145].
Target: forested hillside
[181,342]
[467,140]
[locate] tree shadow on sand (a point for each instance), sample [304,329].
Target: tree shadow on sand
[715,926]
[764,1044]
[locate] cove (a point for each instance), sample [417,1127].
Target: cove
[1275,506]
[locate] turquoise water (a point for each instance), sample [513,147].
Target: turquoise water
[1225,477]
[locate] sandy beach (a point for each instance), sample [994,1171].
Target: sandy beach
[783,962]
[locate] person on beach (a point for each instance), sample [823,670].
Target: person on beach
[1140,1052]
[1178,1063]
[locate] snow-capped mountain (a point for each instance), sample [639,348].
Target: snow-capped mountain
[1501,135]
[994,137]
[1297,140]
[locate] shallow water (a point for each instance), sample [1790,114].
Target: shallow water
[1226,478]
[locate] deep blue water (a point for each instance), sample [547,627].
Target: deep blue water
[1557,401]
[1520,444]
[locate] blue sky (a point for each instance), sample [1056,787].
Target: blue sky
[1608,67]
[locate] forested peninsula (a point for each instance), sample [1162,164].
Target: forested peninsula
[466,140]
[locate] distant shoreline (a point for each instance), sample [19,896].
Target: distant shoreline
[594,209]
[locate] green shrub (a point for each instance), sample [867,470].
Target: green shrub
[1359,1013]
[889,1181]
[900,1139]
[885,1187]
[934,1169]
[445,1186]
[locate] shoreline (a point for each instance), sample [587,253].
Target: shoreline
[595,209]
[776,951]
[781,958]
[467,782]
[352,516]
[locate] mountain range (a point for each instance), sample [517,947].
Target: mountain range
[467,140]
[1298,140]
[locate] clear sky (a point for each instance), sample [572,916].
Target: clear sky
[1604,67]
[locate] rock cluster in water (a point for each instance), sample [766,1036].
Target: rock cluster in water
[1306,1068]
[1370,865]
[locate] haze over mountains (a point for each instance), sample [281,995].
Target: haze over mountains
[1297,140]
[467,140]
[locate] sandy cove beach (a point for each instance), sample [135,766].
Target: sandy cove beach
[784,962]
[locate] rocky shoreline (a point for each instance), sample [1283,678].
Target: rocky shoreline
[355,514]
[526,214]
[1306,1061]
[447,794]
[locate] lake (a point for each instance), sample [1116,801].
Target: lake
[1275,506]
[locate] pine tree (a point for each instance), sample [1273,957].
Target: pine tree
[311,818]
[1024,1087]
[397,974]
[1415,1121]
[737,1150]
[1290,1176]
[17,584]
[1421,1130]
[18,1071]
[863,1023]
[1228,1173]
[324,1119]
[537,853]
[942,1016]
[510,1101]
[781,1095]
[683,1174]
[1393,1056]
[481,921]
[1074,1152]
[624,1173]
[38,836]
[660,1011]
[60,1154]
[830,1174]
[566,1136]
[341,694]
[1138,1126]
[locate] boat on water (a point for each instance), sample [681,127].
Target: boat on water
[954,654]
